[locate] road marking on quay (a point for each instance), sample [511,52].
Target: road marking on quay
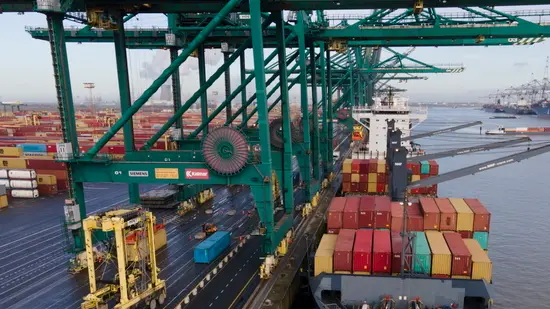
[242,290]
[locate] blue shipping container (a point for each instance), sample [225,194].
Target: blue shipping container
[33,147]
[483,239]
[210,248]
[424,167]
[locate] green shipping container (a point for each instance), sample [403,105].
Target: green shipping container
[423,256]
[424,167]
[483,239]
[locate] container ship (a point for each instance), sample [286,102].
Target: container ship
[541,108]
[522,107]
[424,252]
[493,108]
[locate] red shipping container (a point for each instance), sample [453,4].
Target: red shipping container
[116,149]
[462,258]
[434,167]
[346,187]
[382,216]
[466,234]
[362,251]
[396,217]
[47,189]
[373,165]
[343,252]
[431,213]
[381,252]
[363,166]
[355,187]
[447,213]
[415,221]
[415,167]
[364,178]
[381,178]
[366,212]
[346,177]
[424,176]
[396,244]
[351,213]
[355,166]
[333,231]
[380,187]
[335,213]
[51,148]
[45,164]
[363,187]
[62,184]
[482,217]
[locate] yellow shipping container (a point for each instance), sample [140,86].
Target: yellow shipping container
[465,216]
[381,167]
[347,166]
[355,177]
[441,255]
[482,267]
[3,201]
[13,162]
[323,255]
[371,188]
[415,177]
[11,151]
[44,179]
[372,177]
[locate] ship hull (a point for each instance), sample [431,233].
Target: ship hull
[354,290]
[518,111]
[542,111]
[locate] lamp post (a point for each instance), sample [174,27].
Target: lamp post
[91,86]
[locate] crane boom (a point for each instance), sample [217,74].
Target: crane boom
[446,130]
[468,150]
[479,167]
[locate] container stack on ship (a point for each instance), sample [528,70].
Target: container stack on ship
[360,257]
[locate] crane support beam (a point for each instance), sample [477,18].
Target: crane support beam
[471,170]
[447,130]
[468,150]
[176,6]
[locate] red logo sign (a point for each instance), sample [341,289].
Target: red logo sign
[196,173]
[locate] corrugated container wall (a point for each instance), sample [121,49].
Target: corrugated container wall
[431,213]
[441,255]
[381,252]
[366,212]
[465,216]
[482,217]
[362,252]
[462,259]
[447,213]
[396,244]
[324,253]
[483,239]
[382,217]
[351,213]
[335,213]
[423,254]
[343,252]
[482,267]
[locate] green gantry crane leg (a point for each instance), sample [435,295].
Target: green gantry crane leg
[283,166]
[66,111]
[125,97]
[304,155]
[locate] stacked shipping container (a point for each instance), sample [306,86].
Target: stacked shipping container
[369,241]
[20,183]
[371,176]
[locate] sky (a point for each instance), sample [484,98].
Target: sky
[27,73]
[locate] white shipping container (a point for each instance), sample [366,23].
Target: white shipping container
[3,173]
[5,183]
[22,174]
[23,184]
[24,193]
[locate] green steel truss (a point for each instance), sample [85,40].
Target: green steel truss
[341,58]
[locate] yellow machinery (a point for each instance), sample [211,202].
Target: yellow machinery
[358,134]
[209,228]
[134,282]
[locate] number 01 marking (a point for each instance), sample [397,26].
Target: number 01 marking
[118,172]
